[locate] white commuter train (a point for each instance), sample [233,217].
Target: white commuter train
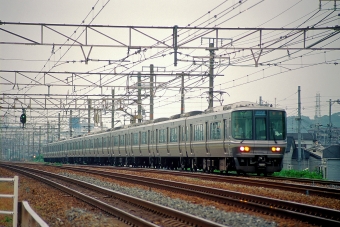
[245,137]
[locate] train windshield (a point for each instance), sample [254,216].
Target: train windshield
[242,124]
[259,125]
[277,127]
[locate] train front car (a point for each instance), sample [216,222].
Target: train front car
[258,139]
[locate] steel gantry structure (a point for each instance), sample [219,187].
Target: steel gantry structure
[135,40]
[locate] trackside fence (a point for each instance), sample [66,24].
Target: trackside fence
[28,217]
[14,212]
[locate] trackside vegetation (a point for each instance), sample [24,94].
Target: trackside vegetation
[298,174]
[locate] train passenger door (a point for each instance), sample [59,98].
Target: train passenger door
[157,141]
[179,137]
[190,138]
[167,140]
[206,138]
[225,134]
[148,141]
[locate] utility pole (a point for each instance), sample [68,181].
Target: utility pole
[151,91]
[58,126]
[33,143]
[113,109]
[22,150]
[299,127]
[182,95]
[211,75]
[89,116]
[28,146]
[317,108]
[39,140]
[70,125]
[330,119]
[139,100]
[47,131]
[330,122]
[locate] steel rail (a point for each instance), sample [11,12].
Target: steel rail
[304,189]
[302,180]
[94,202]
[179,215]
[312,214]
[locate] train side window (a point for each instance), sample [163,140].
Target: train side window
[148,137]
[179,134]
[156,137]
[225,128]
[128,140]
[152,137]
[162,136]
[173,134]
[191,132]
[122,140]
[115,141]
[198,132]
[186,133]
[135,139]
[143,138]
[215,130]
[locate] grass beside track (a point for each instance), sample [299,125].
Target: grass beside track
[299,174]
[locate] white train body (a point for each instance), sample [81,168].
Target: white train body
[245,137]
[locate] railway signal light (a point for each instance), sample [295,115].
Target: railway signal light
[23,118]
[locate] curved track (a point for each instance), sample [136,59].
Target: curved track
[312,214]
[249,181]
[89,192]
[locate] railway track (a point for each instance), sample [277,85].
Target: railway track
[312,214]
[328,192]
[106,200]
[325,183]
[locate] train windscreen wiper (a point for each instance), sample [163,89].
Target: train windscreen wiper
[272,129]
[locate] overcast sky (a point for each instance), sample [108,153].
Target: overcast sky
[276,79]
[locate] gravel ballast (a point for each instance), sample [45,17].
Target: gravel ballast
[206,212]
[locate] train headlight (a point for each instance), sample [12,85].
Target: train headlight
[245,149]
[276,149]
